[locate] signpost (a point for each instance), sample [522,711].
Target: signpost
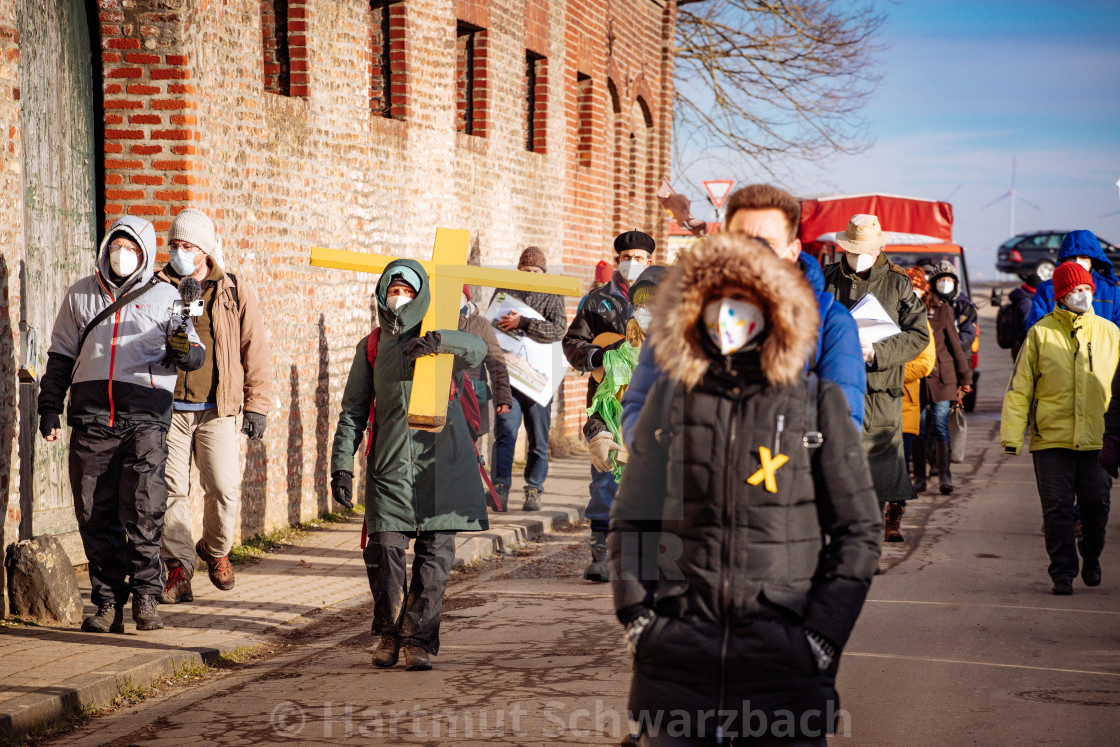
[718,190]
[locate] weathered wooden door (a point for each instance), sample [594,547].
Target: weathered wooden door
[56,98]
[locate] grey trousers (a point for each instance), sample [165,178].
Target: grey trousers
[409,607]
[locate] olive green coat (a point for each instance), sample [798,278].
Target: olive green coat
[882,419]
[416,481]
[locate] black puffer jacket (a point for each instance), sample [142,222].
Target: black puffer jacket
[743,570]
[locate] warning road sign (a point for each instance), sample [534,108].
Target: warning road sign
[718,190]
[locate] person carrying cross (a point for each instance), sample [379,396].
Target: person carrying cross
[420,485]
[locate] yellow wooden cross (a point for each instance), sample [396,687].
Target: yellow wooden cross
[447,272]
[766,472]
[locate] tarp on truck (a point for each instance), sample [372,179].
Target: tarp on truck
[898,214]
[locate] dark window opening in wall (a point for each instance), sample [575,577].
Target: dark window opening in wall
[633,175]
[584,133]
[467,72]
[536,102]
[277,60]
[388,72]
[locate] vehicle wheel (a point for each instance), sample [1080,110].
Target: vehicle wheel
[1044,270]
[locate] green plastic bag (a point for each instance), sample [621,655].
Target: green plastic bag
[618,369]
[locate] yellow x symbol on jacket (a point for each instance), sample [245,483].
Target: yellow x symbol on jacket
[766,471]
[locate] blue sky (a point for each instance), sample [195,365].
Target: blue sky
[966,87]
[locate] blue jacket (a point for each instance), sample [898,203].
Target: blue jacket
[839,356]
[1106,299]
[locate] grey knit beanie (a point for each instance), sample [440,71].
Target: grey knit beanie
[195,227]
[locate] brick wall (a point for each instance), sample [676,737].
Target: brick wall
[11,243]
[189,120]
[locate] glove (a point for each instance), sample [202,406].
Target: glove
[1109,456]
[427,344]
[342,487]
[600,449]
[636,629]
[597,356]
[1011,450]
[253,425]
[868,352]
[48,421]
[822,650]
[180,345]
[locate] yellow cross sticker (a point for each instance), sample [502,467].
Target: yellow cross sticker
[767,470]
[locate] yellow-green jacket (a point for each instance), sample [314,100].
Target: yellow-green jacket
[1062,383]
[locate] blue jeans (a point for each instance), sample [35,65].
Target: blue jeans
[538,421]
[603,488]
[939,411]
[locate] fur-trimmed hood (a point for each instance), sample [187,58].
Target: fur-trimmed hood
[713,269]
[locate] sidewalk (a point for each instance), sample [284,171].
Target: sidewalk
[47,673]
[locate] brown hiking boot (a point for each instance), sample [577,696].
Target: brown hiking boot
[892,522]
[387,652]
[221,572]
[178,586]
[416,659]
[145,612]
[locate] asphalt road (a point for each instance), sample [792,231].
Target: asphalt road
[959,643]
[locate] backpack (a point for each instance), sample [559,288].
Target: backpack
[467,401]
[1009,326]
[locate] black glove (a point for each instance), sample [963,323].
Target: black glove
[179,345]
[48,421]
[597,357]
[1009,450]
[427,344]
[1109,456]
[253,425]
[342,487]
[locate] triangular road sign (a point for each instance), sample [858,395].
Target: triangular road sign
[718,189]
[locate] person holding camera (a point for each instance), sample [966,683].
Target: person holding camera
[116,348]
[235,379]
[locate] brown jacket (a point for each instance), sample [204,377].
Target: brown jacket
[952,369]
[241,352]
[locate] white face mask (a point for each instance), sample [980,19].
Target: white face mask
[1084,262]
[630,270]
[123,262]
[396,302]
[1079,302]
[183,262]
[946,286]
[860,262]
[733,324]
[643,317]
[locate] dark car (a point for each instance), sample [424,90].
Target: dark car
[1037,253]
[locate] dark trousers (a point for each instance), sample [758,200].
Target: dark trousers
[409,608]
[116,475]
[1065,476]
[538,421]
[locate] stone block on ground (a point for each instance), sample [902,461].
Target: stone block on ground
[42,585]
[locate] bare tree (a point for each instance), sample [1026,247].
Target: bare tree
[774,79]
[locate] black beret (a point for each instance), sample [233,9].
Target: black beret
[633,240]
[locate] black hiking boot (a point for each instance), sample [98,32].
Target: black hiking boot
[1063,587]
[145,612]
[918,454]
[1091,571]
[109,618]
[532,500]
[598,571]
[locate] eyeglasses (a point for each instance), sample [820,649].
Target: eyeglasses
[182,246]
[122,248]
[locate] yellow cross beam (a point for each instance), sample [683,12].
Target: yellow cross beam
[447,272]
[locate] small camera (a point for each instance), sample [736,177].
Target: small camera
[194,308]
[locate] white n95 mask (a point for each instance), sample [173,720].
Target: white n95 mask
[630,270]
[733,325]
[1079,302]
[1085,262]
[124,263]
[643,317]
[396,302]
[946,286]
[860,262]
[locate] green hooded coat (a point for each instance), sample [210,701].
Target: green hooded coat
[416,481]
[882,419]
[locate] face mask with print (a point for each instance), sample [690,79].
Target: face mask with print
[396,302]
[946,287]
[643,317]
[463,301]
[733,325]
[123,262]
[860,262]
[1079,302]
[1085,262]
[630,270]
[183,262]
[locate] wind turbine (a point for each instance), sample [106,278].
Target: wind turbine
[1011,195]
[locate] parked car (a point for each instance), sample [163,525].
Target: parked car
[1037,253]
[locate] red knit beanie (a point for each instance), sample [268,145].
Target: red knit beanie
[603,272]
[1069,275]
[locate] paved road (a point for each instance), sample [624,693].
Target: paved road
[960,643]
